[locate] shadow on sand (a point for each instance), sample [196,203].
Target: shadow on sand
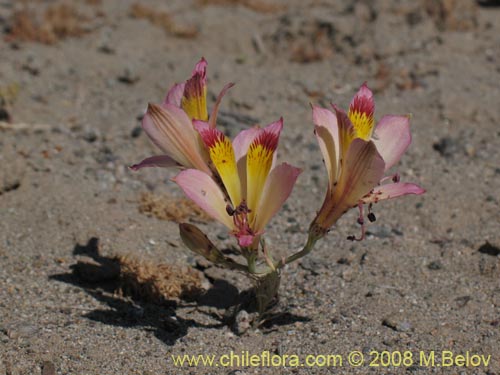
[102,279]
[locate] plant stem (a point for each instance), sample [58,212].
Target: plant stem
[311,241]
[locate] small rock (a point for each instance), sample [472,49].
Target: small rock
[379,231]
[489,249]
[462,301]
[397,322]
[128,77]
[21,330]
[242,322]
[91,135]
[106,179]
[435,265]
[48,368]
[136,132]
[447,147]
[12,170]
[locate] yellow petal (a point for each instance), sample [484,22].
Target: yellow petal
[259,162]
[221,153]
[195,104]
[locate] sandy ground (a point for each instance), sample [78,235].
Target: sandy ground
[73,84]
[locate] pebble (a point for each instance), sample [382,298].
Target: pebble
[489,249]
[91,135]
[397,322]
[242,322]
[447,147]
[21,330]
[435,265]
[136,132]
[48,368]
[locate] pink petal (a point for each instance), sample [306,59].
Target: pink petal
[392,138]
[364,167]
[200,68]
[243,140]
[245,240]
[394,190]
[213,115]
[275,127]
[163,161]
[172,131]
[277,189]
[327,134]
[202,189]
[175,94]
[362,170]
[200,125]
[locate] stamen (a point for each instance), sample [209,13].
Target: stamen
[394,178]
[240,220]
[371,215]
[361,221]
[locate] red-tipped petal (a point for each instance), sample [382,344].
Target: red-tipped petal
[363,101]
[362,111]
[392,138]
[200,68]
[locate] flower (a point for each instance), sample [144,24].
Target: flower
[356,153]
[250,189]
[169,125]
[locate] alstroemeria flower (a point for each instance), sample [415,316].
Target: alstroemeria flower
[170,125]
[251,189]
[356,153]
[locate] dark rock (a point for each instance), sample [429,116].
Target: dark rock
[462,301]
[447,147]
[48,368]
[397,322]
[136,132]
[489,249]
[435,265]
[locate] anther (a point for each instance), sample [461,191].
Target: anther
[229,210]
[371,217]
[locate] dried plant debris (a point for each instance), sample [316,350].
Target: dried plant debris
[255,5]
[8,95]
[304,41]
[154,282]
[59,21]
[162,19]
[145,280]
[454,15]
[166,207]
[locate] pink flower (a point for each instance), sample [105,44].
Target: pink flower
[170,124]
[251,189]
[357,153]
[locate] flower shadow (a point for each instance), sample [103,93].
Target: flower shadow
[134,303]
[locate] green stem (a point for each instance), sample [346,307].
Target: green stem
[251,261]
[311,241]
